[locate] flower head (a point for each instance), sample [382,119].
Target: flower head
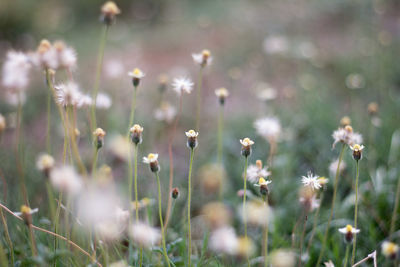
[263,184]
[357,151]
[390,249]
[99,137]
[311,181]
[136,75]
[268,127]
[224,240]
[144,235]
[373,108]
[26,214]
[109,10]
[192,139]
[165,112]
[45,163]
[181,85]
[68,94]
[222,94]
[103,101]
[349,232]
[329,264]
[136,134]
[15,72]
[66,179]
[152,160]
[347,136]
[256,171]
[203,59]
[345,121]
[175,193]
[246,146]
[66,55]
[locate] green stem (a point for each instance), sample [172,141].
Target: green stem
[353,254]
[74,145]
[302,235]
[199,96]
[266,238]
[314,223]
[94,163]
[56,221]
[321,254]
[133,107]
[7,234]
[244,205]
[395,209]
[130,181]
[189,200]
[32,239]
[220,132]
[346,257]
[100,56]
[136,187]
[161,220]
[48,138]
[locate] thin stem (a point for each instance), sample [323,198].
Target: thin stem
[171,162]
[33,241]
[321,254]
[161,220]
[48,138]
[94,162]
[74,145]
[189,200]
[136,187]
[220,133]
[372,255]
[56,221]
[244,204]
[353,254]
[302,235]
[130,181]
[199,98]
[133,108]
[346,257]
[100,56]
[314,224]
[266,238]
[395,209]
[7,234]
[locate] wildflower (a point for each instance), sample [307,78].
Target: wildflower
[267,93]
[246,247]
[192,139]
[263,184]
[136,134]
[355,81]
[246,146]
[311,181]
[181,85]
[268,127]
[345,121]
[120,147]
[175,193]
[45,56]
[334,164]
[308,199]
[216,214]
[224,240]
[151,159]
[103,101]
[357,151]
[257,213]
[256,171]
[390,250]
[3,124]
[68,94]
[323,181]
[136,75]
[26,214]
[114,68]
[347,136]
[373,108]
[329,264]
[349,232]
[283,258]
[66,55]
[15,71]
[99,137]
[165,112]
[222,94]
[45,164]
[212,177]
[203,59]
[109,10]
[144,235]
[65,179]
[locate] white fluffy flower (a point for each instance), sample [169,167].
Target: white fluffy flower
[45,162]
[114,69]
[268,127]
[203,59]
[312,203]
[349,229]
[66,55]
[103,101]
[311,181]
[255,171]
[276,45]
[333,167]
[224,240]
[15,72]
[66,179]
[347,136]
[256,213]
[68,94]
[181,85]
[150,158]
[165,112]
[283,258]
[144,235]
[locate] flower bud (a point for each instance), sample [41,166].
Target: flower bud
[26,214]
[108,12]
[99,135]
[136,75]
[136,134]
[175,193]
[373,108]
[246,146]
[345,121]
[357,151]
[192,139]
[222,94]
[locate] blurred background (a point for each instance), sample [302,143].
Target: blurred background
[307,62]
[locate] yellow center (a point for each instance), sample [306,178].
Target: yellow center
[44,46]
[25,209]
[191,132]
[349,228]
[136,71]
[391,248]
[151,156]
[261,180]
[206,53]
[246,141]
[348,128]
[357,147]
[323,180]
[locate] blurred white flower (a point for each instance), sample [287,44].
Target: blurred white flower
[224,240]
[329,264]
[103,101]
[68,94]
[182,85]
[268,127]
[144,235]
[15,98]
[333,167]
[150,158]
[311,181]
[256,213]
[66,55]
[165,112]
[120,147]
[347,136]
[15,72]
[121,263]
[349,229]
[45,162]
[114,69]
[283,258]
[276,44]
[45,56]
[66,179]
[311,203]
[256,171]
[390,249]
[265,92]
[355,81]
[203,59]
[136,73]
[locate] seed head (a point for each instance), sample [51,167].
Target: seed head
[246,146]
[136,134]
[109,10]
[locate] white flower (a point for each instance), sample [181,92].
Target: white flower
[256,213]
[26,210]
[349,229]
[114,69]
[15,72]
[356,147]
[191,133]
[312,203]
[66,55]
[267,94]
[276,45]
[120,263]
[182,84]
[262,181]
[103,101]
[283,258]
[203,59]
[389,249]
[355,138]
[136,73]
[347,136]
[268,127]
[46,56]
[66,179]
[329,264]
[45,162]
[85,101]
[333,167]
[246,142]
[120,147]
[311,181]
[68,94]
[254,172]
[144,235]
[150,158]
[224,240]
[165,112]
